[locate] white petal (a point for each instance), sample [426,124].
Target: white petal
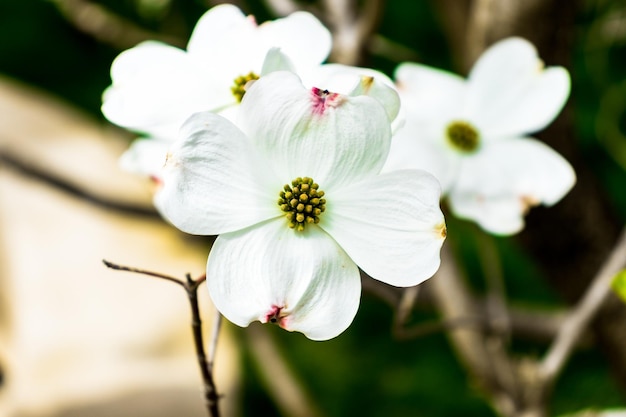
[391,226]
[303,278]
[499,215]
[275,60]
[510,93]
[213,182]
[533,107]
[525,167]
[215,26]
[301,36]
[429,94]
[145,157]
[511,175]
[227,44]
[412,149]
[355,81]
[155,88]
[332,138]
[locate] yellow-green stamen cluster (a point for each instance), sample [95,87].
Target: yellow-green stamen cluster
[239,85]
[462,136]
[303,202]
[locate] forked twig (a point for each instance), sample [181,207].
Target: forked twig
[190,286]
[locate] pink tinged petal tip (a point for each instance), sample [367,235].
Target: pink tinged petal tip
[276,315]
[322,99]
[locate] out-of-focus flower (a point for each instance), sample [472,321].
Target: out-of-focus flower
[471,134]
[156,87]
[295,194]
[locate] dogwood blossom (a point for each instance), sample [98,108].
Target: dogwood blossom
[156,87]
[471,134]
[295,193]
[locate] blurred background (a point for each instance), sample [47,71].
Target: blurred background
[77,339]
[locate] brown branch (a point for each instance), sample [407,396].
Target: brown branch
[283,7]
[287,391]
[483,354]
[352,28]
[190,286]
[578,321]
[496,293]
[105,26]
[528,323]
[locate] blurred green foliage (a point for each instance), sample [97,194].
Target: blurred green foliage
[365,371]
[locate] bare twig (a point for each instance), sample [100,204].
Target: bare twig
[496,292]
[283,7]
[528,322]
[483,356]
[106,26]
[403,310]
[190,286]
[352,28]
[431,327]
[217,325]
[580,317]
[288,393]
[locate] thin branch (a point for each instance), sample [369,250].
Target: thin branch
[579,319]
[289,395]
[409,295]
[105,26]
[496,292]
[431,327]
[117,267]
[283,7]
[27,168]
[528,322]
[403,310]
[217,325]
[190,286]
[487,361]
[352,28]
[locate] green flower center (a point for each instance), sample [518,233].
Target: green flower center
[302,202]
[463,136]
[241,84]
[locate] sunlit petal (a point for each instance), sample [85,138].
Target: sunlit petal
[525,167]
[211,182]
[302,281]
[155,88]
[391,225]
[497,186]
[411,148]
[301,36]
[510,93]
[145,156]
[429,94]
[334,139]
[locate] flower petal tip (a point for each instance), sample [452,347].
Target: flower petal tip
[323,99]
[441,230]
[276,315]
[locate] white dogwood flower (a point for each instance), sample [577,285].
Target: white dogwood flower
[156,87]
[471,134]
[295,194]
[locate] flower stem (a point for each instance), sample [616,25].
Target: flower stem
[190,286]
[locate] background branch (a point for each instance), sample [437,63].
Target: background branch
[287,391]
[579,319]
[107,27]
